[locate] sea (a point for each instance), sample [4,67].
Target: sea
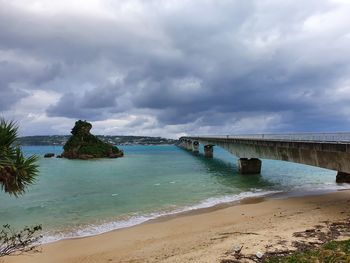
[76,198]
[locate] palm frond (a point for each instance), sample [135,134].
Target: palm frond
[16,171]
[8,133]
[19,174]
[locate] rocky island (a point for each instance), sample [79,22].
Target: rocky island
[84,145]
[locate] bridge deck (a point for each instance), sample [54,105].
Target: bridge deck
[337,137]
[311,143]
[326,150]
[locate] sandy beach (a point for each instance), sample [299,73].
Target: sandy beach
[205,235]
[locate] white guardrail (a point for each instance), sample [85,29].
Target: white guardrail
[340,137]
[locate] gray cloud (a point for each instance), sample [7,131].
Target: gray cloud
[92,104]
[49,73]
[200,66]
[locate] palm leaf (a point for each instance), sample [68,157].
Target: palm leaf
[8,133]
[16,171]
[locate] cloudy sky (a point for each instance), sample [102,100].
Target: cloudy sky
[175,67]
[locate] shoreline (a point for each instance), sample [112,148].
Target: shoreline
[199,208]
[205,234]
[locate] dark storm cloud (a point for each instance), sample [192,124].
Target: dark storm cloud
[10,75]
[9,96]
[49,73]
[87,104]
[203,62]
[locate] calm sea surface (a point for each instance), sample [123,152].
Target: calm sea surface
[78,198]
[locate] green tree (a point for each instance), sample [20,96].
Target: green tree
[16,173]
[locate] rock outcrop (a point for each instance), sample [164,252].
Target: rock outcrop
[49,155]
[83,145]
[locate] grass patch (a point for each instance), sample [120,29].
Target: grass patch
[331,252]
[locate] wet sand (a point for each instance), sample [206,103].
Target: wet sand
[204,235]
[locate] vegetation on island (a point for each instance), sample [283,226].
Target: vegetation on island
[83,145]
[16,173]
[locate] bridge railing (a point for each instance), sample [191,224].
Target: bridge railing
[315,137]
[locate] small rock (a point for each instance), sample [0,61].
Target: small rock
[259,254]
[49,155]
[237,248]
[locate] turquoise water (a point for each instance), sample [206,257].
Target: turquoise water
[76,198]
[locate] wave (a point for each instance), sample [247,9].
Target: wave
[96,229]
[322,187]
[100,228]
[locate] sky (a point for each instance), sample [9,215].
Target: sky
[174,67]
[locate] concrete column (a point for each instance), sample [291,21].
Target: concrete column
[209,151]
[249,166]
[183,144]
[189,145]
[342,177]
[195,146]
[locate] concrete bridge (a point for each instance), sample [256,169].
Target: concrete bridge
[326,150]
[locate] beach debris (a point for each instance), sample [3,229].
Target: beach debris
[310,238]
[230,261]
[259,254]
[237,249]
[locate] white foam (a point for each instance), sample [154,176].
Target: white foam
[229,199]
[324,187]
[95,229]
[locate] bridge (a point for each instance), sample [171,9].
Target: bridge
[326,150]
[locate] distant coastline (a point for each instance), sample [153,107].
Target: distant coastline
[60,140]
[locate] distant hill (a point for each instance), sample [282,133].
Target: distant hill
[115,140]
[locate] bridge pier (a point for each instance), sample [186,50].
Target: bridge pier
[249,166]
[182,144]
[208,151]
[188,145]
[342,177]
[195,147]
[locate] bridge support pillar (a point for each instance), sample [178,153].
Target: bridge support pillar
[182,144]
[342,177]
[188,145]
[208,151]
[249,166]
[195,147]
